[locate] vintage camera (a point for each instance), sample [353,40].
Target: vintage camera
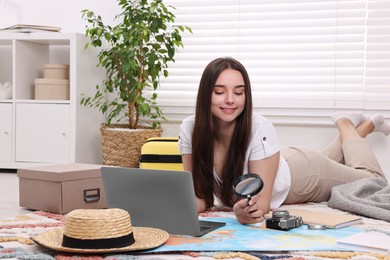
[282,220]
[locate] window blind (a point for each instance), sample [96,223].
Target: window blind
[305,58]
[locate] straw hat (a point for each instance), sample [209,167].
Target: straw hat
[101,231]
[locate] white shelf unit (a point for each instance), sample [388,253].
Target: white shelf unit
[37,132]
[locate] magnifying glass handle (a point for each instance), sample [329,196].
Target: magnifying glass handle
[249,198]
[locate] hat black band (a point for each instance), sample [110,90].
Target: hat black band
[103,243]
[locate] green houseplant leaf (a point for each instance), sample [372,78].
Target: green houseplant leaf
[134,53]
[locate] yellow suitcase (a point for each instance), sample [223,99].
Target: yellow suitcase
[161,153]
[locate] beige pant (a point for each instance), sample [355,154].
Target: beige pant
[313,174]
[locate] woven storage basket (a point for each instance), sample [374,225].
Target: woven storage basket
[122,146]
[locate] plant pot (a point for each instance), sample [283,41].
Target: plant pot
[122,146]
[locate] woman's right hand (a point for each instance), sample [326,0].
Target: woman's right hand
[248,212]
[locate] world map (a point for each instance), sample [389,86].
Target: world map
[237,237]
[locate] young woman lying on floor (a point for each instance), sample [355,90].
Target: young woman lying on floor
[226,139]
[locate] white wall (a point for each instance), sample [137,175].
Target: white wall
[67,15]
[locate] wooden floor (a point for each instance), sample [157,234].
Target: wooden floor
[9,195]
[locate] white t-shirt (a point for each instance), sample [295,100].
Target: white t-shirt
[263,144]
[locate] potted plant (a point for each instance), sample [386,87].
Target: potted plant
[134,54]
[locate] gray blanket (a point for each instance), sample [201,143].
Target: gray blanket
[368,197]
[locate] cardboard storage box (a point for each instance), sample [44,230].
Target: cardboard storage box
[61,188]
[56,71]
[52,89]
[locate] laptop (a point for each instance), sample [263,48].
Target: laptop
[156,198]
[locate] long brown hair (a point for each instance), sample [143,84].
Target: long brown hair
[204,134]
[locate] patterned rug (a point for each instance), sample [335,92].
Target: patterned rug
[15,242]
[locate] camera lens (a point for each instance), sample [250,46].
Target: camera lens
[281,214]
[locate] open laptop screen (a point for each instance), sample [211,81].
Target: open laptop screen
[156,198]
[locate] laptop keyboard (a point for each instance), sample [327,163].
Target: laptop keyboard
[203,228]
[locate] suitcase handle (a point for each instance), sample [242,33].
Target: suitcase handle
[91,195]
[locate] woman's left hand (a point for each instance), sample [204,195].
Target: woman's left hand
[248,212]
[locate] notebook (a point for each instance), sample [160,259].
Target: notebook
[372,241]
[156,198]
[329,219]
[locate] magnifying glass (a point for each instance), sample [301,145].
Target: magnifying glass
[248,185]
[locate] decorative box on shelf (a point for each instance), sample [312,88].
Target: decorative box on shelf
[56,71]
[52,89]
[55,83]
